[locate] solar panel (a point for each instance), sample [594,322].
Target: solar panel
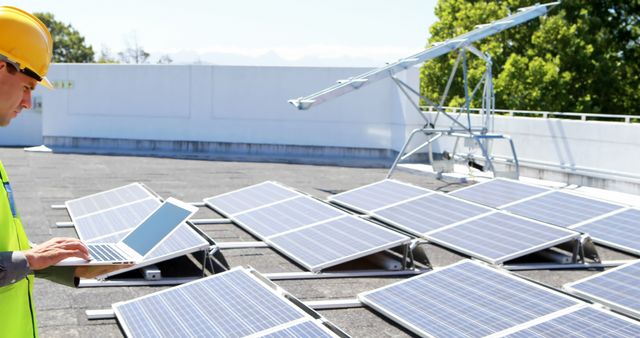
[620,230]
[336,241]
[464,299]
[304,329]
[377,195]
[585,321]
[106,199]
[231,304]
[250,197]
[618,288]
[108,216]
[498,192]
[312,233]
[284,216]
[428,213]
[562,208]
[183,239]
[107,221]
[499,237]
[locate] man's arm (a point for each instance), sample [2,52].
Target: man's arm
[40,259]
[13,267]
[16,265]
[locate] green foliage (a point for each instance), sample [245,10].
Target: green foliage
[584,56]
[68,44]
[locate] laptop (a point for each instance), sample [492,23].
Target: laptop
[147,235]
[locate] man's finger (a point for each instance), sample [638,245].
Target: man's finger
[75,246]
[63,254]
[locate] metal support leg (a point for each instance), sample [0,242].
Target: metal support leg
[404,147]
[486,155]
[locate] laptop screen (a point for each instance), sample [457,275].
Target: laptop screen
[155,228]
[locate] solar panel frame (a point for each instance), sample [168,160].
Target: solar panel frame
[303,200]
[304,328]
[429,224]
[108,221]
[587,226]
[378,213]
[274,242]
[74,212]
[570,235]
[483,186]
[336,199]
[515,208]
[278,240]
[192,240]
[257,283]
[577,321]
[607,236]
[415,327]
[231,194]
[160,253]
[577,288]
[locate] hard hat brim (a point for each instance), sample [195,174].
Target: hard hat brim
[46,83]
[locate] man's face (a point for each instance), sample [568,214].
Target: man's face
[15,93]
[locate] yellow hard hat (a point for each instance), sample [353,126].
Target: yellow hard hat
[26,43]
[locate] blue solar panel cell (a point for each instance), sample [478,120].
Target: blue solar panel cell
[621,230]
[313,233]
[107,199]
[330,243]
[498,192]
[231,304]
[109,221]
[250,197]
[584,322]
[498,237]
[428,213]
[465,299]
[280,217]
[183,238]
[618,288]
[562,209]
[378,195]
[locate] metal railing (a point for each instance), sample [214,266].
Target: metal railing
[547,114]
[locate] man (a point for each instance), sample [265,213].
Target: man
[25,54]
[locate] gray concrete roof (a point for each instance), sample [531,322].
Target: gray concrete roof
[42,179]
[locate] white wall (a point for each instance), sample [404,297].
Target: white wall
[24,130]
[248,105]
[236,104]
[603,146]
[606,146]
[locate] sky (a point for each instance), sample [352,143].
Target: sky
[273,32]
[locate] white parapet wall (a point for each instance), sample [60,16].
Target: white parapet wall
[592,153]
[233,112]
[220,108]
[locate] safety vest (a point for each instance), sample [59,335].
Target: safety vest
[17,310]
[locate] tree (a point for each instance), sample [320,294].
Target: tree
[105,56]
[165,59]
[68,44]
[582,57]
[134,53]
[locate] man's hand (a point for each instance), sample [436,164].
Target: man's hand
[53,251]
[92,271]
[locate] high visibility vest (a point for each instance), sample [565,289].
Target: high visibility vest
[17,310]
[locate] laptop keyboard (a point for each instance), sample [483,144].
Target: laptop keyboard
[104,252]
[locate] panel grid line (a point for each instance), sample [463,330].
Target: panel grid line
[231,304]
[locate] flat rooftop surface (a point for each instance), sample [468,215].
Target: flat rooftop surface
[40,180]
